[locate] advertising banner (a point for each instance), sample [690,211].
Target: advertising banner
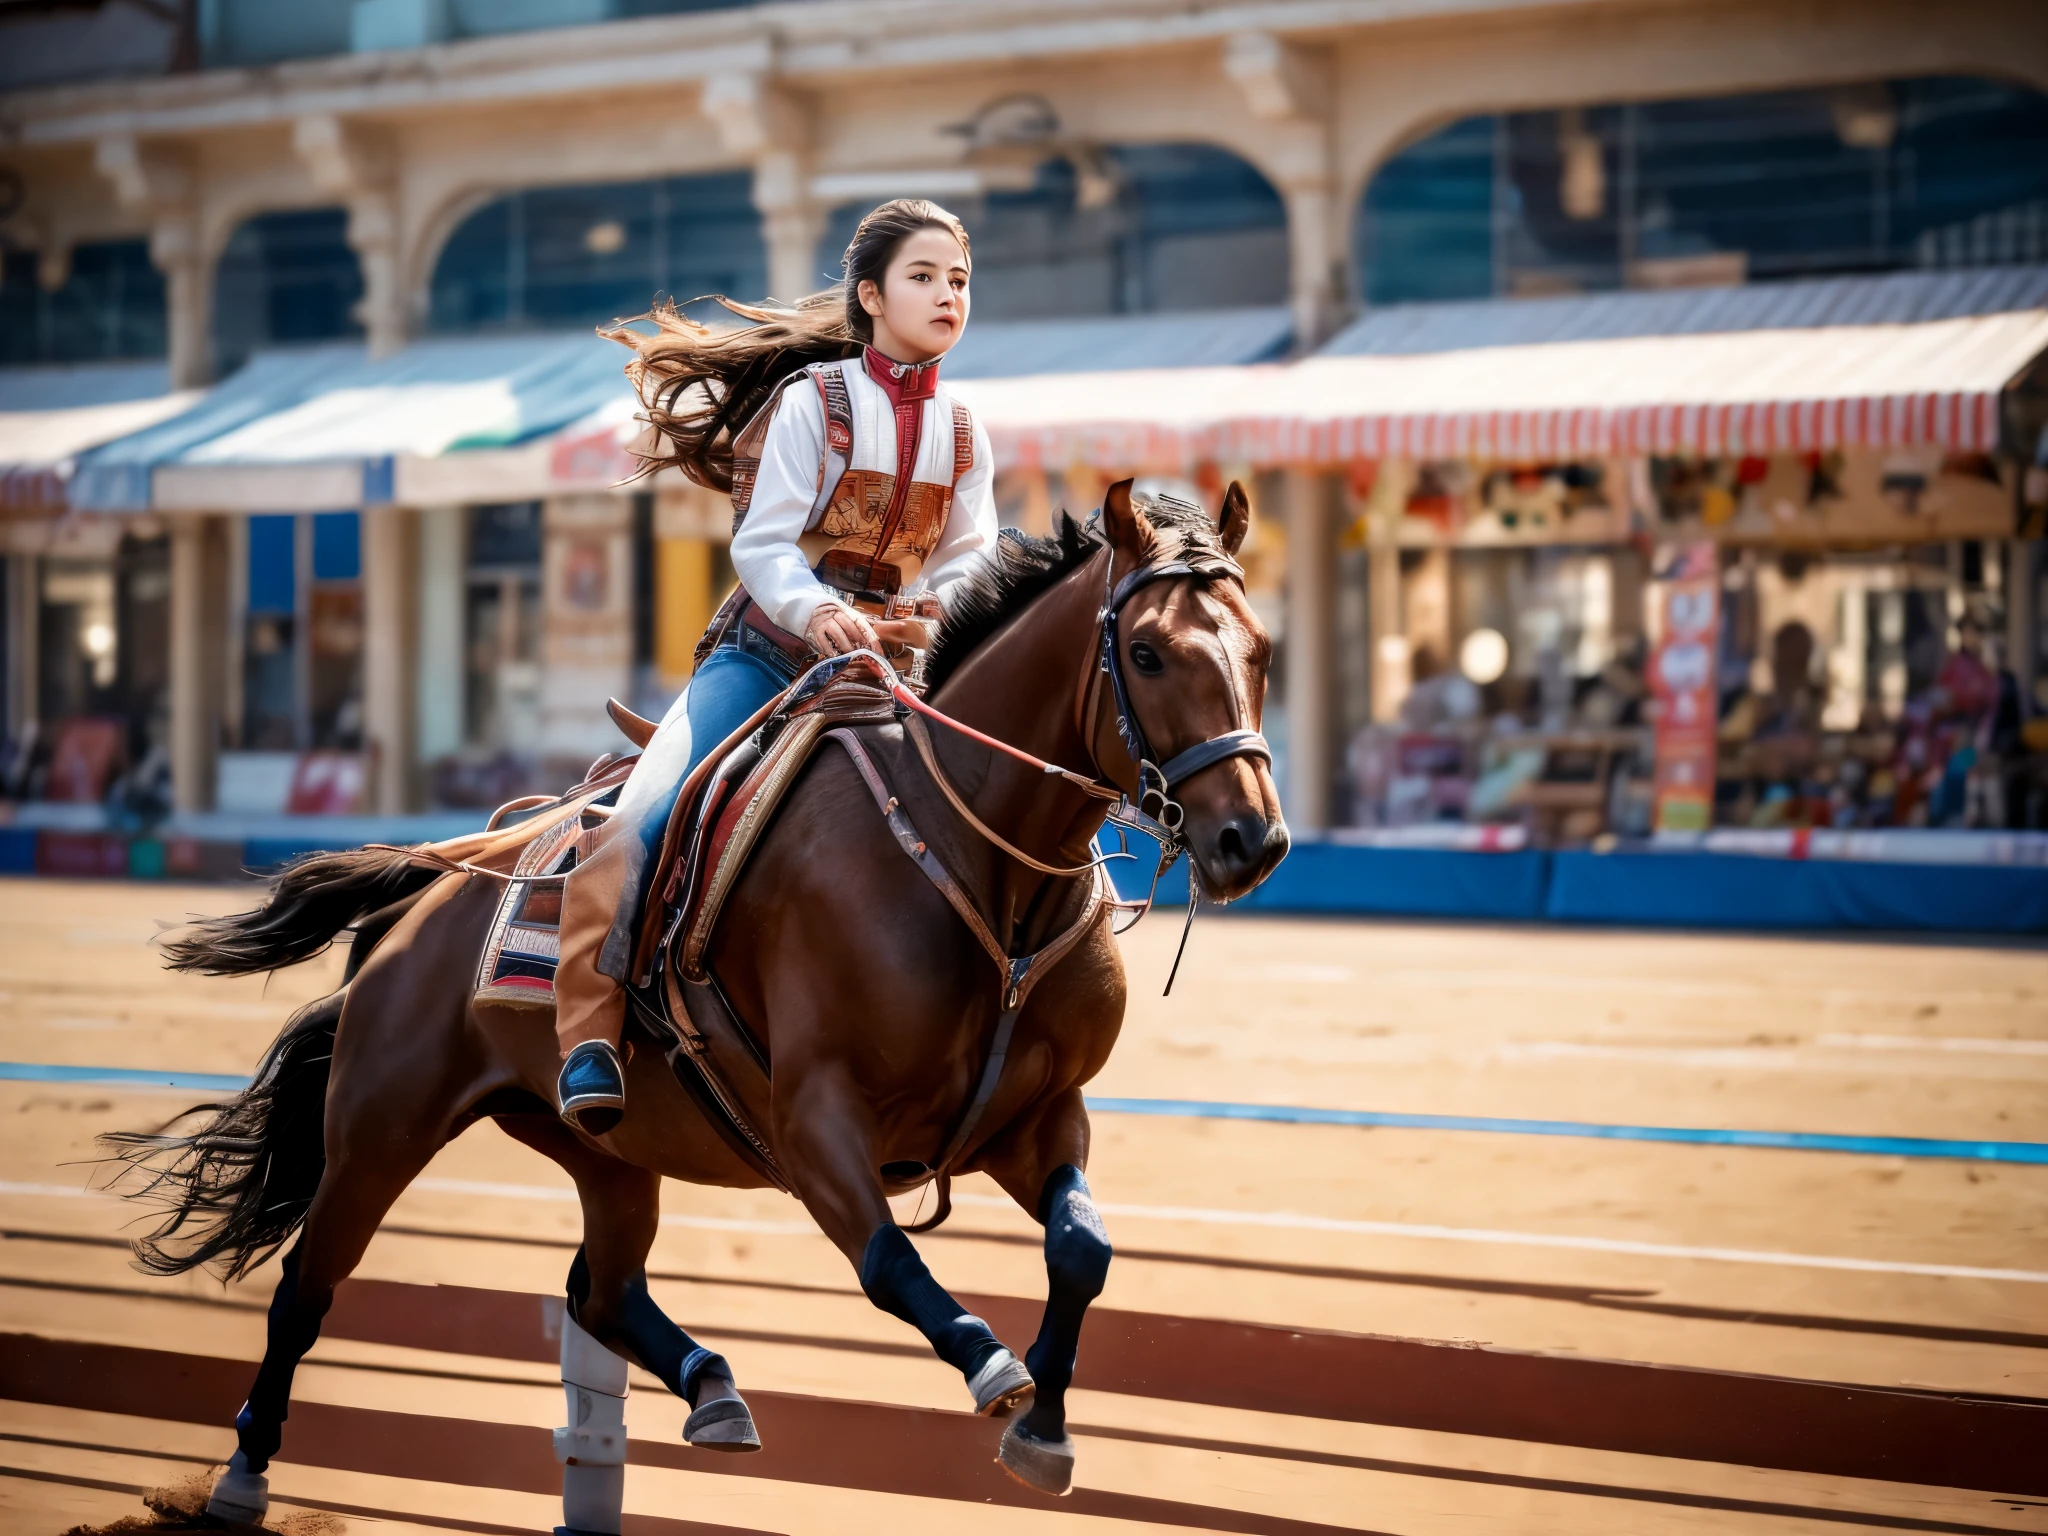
[1683,677]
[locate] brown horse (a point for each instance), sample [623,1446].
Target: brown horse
[873,999]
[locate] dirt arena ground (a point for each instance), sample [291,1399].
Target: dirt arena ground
[1309,1328]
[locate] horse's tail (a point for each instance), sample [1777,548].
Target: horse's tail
[240,1185]
[310,902]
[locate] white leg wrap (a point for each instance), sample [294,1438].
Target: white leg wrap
[239,1495]
[592,1446]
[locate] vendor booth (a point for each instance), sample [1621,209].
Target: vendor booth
[1632,572]
[1612,578]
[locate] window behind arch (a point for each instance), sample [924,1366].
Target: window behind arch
[1873,177]
[110,305]
[285,279]
[557,257]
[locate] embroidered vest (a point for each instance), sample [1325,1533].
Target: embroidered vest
[876,547]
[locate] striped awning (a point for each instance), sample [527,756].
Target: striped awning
[51,415]
[1904,360]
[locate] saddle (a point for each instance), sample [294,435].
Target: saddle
[725,806]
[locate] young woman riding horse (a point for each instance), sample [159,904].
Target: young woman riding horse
[858,485]
[1120,660]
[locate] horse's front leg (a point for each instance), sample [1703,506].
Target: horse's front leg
[826,1141]
[1039,1165]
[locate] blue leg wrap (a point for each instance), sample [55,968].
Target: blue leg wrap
[259,1427]
[1077,1255]
[648,1335]
[897,1281]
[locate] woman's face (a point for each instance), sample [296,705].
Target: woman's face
[921,307]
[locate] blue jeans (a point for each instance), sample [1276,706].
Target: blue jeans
[734,682]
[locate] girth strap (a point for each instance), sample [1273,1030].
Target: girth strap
[1019,972]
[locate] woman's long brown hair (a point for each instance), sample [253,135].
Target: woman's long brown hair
[699,387]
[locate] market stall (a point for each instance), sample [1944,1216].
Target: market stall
[1614,571]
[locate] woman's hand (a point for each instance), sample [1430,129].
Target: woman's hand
[835,630]
[905,634]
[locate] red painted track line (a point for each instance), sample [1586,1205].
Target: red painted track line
[823,1441]
[1835,1429]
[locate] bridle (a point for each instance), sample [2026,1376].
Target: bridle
[1154,811]
[1157,812]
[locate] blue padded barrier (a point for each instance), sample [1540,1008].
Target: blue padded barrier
[1704,890]
[1659,890]
[1406,882]
[17,850]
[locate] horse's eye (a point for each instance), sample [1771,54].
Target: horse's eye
[1145,659]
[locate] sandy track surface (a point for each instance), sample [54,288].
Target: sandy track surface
[1308,1328]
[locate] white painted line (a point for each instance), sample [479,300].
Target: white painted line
[55,1191]
[1294,1221]
[1204,1216]
[1987,1047]
[1825,1055]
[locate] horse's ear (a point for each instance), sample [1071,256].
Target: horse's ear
[1236,520]
[1127,527]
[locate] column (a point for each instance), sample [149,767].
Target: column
[586,624]
[1311,648]
[373,236]
[439,697]
[24,631]
[1312,260]
[791,224]
[1384,506]
[188,301]
[2022,643]
[199,645]
[355,164]
[389,649]
[1289,88]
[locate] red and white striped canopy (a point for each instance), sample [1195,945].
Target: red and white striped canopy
[1793,388]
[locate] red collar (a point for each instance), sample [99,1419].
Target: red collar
[902,382]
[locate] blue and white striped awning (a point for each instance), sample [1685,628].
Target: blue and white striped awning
[327,427]
[472,419]
[50,415]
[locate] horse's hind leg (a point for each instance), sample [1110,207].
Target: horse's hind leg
[611,1319]
[355,1192]
[1039,1165]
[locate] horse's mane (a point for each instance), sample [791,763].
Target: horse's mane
[1022,566]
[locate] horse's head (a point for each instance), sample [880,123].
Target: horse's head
[1193,658]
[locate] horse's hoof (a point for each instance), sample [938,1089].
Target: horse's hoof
[725,1425]
[1047,1465]
[240,1497]
[1001,1386]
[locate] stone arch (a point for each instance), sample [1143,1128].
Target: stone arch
[281,276]
[428,236]
[1433,221]
[1443,75]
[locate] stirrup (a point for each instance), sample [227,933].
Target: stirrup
[592,1088]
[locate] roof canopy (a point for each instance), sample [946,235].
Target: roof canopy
[48,416]
[1909,359]
[508,417]
[1906,359]
[321,428]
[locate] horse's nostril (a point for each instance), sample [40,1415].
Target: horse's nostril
[1231,845]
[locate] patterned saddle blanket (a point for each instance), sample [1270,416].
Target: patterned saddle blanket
[724,808]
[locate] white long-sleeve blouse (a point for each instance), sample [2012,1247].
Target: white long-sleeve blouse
[774,550]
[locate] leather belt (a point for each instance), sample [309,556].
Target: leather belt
[799,652]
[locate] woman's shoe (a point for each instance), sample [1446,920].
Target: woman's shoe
[592,1088]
